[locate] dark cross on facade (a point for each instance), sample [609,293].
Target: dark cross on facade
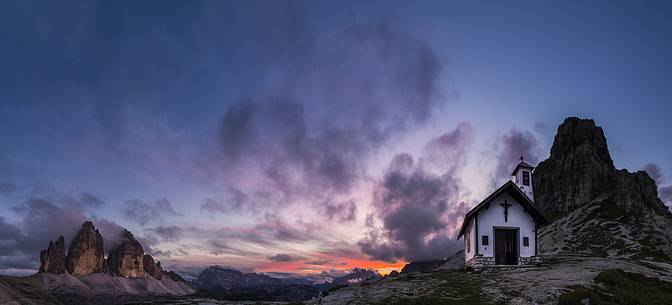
[506,207]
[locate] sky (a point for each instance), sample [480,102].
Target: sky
[306,138]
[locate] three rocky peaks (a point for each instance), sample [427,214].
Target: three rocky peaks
[86,256]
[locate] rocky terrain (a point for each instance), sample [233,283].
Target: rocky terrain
[541,285]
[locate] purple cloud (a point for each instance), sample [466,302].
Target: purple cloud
[285,258]
[341,212]
[337,78]
[144,212]
[420,210]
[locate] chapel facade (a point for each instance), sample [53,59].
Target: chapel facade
[501,231]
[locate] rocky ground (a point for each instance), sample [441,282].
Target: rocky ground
[539,285]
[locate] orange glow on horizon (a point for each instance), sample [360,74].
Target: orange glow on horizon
[383,268]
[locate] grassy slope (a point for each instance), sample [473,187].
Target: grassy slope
[615,287]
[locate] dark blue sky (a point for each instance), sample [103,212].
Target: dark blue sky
[203,123]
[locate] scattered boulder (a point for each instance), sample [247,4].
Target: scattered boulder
[127,259]
[52,259]
[86,253]
[153,269]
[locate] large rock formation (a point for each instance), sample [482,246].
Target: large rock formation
[127,259]
[153,269]
[576,170]
[597,209]
[52,259]
[86,254]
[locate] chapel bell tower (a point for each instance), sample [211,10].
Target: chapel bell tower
[522,176]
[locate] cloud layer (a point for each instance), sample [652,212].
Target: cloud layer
[311,131]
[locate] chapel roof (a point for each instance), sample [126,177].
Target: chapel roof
[513,190]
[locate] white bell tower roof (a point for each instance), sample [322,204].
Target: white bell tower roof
[522,177]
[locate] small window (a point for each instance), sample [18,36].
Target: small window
[526,241]
[484,240]
[526,178]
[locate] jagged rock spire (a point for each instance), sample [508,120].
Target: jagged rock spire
[86,253]
[127,259]
[52,259]
[153,269]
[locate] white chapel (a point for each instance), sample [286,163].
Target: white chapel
[501,230]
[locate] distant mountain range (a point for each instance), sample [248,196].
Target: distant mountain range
[223,283]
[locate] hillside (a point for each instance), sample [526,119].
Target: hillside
[67,289]
[544,285]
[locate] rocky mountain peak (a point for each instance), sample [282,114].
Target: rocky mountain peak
[127,259]
[52,259]
[582,137]
[596,208]
[86,254]
[576,170]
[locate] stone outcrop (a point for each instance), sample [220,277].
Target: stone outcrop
[127,259]
[597,209]
[86,254]
[153,269]
[52,259]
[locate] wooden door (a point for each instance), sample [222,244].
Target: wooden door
[506,247]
